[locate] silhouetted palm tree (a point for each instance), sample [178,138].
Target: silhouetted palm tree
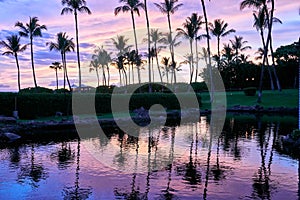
[189,33]
[197,22]
[75,6]
[169,7]
[165,62]
[121,44]
[31,30]
[94,65]
[148,35]
[218,29]
[56,66]
[63,45]
[238,45]
[104,60]
[131,6]
[155,38]
[209,66]
[13,47]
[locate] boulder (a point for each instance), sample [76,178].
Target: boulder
[9,137]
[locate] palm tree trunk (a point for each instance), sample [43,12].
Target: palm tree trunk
[18,67]
[132,73]
[77,46]
[197,59]
[173,64]
[108,75]
[67,77]
[273,66]
[212,88]
[97,73]
[148,34]
[64,69]
[218,53]
[268,65]
[120,77]
[56,78]
[192,60]
[32,62]
[125,76]
[135,40]
[103,75]
[152,65]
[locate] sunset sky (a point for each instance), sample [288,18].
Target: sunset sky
[98,28]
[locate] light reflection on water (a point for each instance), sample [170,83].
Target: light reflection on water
[244,162]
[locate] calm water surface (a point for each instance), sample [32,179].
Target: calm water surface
[246,161]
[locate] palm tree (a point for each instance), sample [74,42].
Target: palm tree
[260,56]
[189,33]
[13,47]
[197,22]
[171,42]
[104,59]
[218,29]
[238,46]
[63,44]
[156,37]
[212,87]
[166,62]
[148,35]
[94,65]
[133,6]
[76,6]
[31,30]
[169,7]
[56,66]
[120,44]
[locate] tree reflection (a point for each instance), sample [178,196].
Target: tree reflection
[34,171]
[207,165]
[65,156]
[77,192]
[217,171]
[15,157]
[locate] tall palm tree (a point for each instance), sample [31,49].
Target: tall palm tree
[131,6]
[148,35]
[94,65]
[218,29]
[56,66]
[209,66]
[260,56]
[155,38]
[31,30]
[75,6]
[189,33]
[13,47]
[63,44]
[169,7]
[238,46]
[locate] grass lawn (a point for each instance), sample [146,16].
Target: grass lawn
[287,98]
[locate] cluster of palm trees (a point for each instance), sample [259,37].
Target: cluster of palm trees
[127,59]
[34,29]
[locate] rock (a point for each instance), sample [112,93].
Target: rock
[9,137]
[7,120]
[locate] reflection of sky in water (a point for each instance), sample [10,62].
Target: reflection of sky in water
[235,168]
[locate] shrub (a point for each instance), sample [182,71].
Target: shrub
[295,135]
[105,89]
[36,90]
[250,91]
[61,91]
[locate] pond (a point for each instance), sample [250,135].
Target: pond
[245,161]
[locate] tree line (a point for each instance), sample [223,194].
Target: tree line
[229,61]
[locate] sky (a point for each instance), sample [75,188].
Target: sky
[97,30]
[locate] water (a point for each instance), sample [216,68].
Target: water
[246,161]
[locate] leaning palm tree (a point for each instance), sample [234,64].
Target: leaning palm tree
[238,46]
[75,6]
[218,29]
[13,47]
[209,66]
[31,30]
[131,6]
[169,7]
[56,66]
[63,45]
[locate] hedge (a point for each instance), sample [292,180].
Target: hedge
[31,106]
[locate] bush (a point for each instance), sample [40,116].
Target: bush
[32,106]
[295,135]
[250,91]
[33,90]
[61,91]
[105,89]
